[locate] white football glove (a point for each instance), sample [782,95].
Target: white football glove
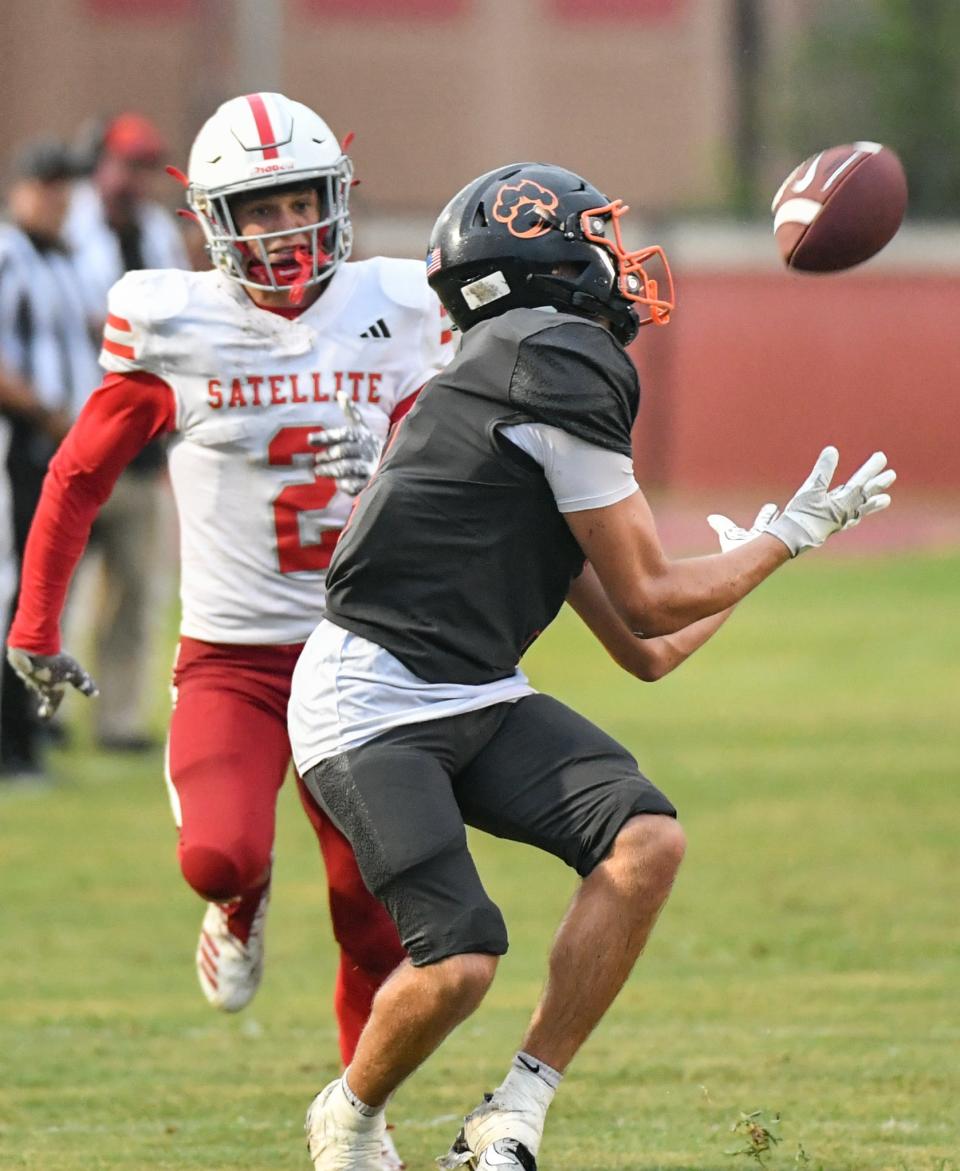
[47,675]
[349,455]
[817,511]
[732,536]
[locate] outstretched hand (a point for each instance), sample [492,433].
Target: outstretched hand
[732,536]
[817,510]
[47,675]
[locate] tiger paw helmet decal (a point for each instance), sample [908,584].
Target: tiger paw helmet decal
[526,208]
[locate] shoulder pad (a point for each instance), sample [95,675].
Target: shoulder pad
[577,376]
[138,307]
[405,282]
[150,294]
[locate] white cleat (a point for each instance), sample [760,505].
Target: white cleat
[340,1139]
[495,1136]
[389,1158]
[228,969]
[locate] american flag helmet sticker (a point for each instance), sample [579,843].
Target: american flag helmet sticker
[433,260]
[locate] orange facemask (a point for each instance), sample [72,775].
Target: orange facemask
[633,281]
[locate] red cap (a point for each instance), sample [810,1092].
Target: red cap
[134,137]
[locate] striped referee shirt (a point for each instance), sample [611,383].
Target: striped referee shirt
[43,327]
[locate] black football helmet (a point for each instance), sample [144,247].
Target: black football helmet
[532,234]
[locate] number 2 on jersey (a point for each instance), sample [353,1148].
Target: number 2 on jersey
[293,554]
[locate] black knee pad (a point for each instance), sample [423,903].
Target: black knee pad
[441,909]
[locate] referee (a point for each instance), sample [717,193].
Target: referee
[47,366]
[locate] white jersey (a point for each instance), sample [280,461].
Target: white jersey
[257,527]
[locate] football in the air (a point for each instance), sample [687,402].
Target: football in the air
[839,207]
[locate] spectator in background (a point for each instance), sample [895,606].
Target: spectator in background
[47,362]
[8,560]
[114,225]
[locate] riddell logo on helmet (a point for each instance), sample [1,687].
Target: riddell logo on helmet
[272,168]
[521,205]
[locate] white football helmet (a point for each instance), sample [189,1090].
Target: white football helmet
[260,141]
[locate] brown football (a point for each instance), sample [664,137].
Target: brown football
[839,207]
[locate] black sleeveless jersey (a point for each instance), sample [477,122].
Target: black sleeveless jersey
[456,556]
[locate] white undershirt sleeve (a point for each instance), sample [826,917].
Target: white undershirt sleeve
[580,474]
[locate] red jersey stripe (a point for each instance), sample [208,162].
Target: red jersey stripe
[118,322]
[264,129]
[446,336]
[118,349]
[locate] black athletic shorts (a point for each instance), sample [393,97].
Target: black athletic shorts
[533,771]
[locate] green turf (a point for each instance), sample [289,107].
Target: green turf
[807,964]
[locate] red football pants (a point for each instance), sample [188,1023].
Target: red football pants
[228,754]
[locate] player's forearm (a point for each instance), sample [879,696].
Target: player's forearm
[680,594]
[117,421]
[648,659]
[668,651]
[57,539]
[654,594]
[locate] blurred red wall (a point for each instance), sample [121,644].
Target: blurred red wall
[758,371]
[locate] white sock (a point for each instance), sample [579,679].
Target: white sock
[359,1107]
[525,1095]
[529,1078]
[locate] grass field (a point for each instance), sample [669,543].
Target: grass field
[808,964]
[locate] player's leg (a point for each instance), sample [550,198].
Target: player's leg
[550,778]
[610,917]
[370,947]
[227,757]
[392,798]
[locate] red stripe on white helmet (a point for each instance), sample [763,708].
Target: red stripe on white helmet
[261,117]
